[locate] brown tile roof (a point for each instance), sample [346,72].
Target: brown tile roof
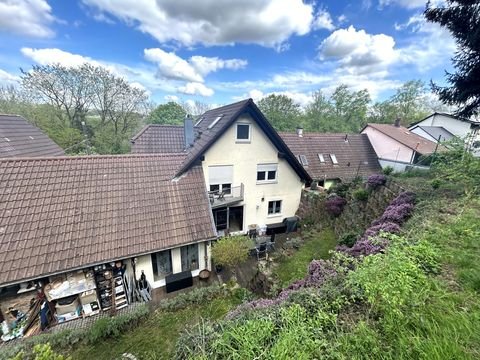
[206,134]
[406,137]
[19,138]
[64,213]
[154,139]
[355,157]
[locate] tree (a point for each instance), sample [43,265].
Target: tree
[196,108]
[318,114]
[282,112]
[169,113]
[462,19]
[350,108]
[230,251]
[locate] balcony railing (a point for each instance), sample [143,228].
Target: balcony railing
[226,196]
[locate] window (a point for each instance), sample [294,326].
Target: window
[214,122]
[303,160]
[334,159]
[321,158]
[243,132]
[162,264]
[266,172]
[220,178]
[199,121]
[189,255]
[274,207]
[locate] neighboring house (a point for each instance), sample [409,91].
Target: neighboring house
[398,147]
[159,139]
[64,214]
[446,126]
[19,138]
[329,158]
[252,176]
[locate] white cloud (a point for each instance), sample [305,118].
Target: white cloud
[26,17]
[57,56]
[205,65]
[172,66]
[8,79]
[358,51]
[407,4]
[323,20]
[195,88]
[265,22]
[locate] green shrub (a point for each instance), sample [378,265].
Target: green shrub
[231,251]
[388,170]
[340,189]
[195,296]
[349,239]
[435,183]
[42,352]
[361,194]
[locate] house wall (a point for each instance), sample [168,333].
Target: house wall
[244,157]
[145,263]
[388,148]
[456,127]
[423,133]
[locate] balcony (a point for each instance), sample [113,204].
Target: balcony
[227,196]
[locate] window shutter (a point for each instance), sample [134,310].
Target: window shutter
[220,174]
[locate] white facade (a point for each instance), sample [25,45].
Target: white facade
[417,130]
[144,263]
[245,158]
[388,148]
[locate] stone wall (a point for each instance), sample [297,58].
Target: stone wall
[356,216]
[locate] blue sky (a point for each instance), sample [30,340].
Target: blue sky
[219,51]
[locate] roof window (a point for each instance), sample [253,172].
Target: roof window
[214,122]
[199,121]
[303,160]
[334,159]
[321,158]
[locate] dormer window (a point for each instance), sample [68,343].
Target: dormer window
[243,132]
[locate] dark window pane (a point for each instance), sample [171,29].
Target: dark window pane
[214,187]
[243,131]
[260,175]
[189,256]
[227,188]
[278,205]
[162,264]
[270,207]
[271,175]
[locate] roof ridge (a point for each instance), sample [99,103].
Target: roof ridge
[83,157]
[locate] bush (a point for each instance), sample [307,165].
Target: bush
[334,205]
[231,251]
[348,239]
[388,170]
[42,352]
[435,183]
[196,296]
[376,180]
[360,194]
[340,189]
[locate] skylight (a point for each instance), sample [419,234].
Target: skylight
[303,160]
[321,158]
[334,159]
[199,121]
[214,122]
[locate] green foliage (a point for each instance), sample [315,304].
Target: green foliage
[170,113]
[361,194]
[349,239]
[282,112]
[42,352]
[231,251]
[388,170]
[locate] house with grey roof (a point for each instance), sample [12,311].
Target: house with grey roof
[19,138]
[252,176]
[330,158]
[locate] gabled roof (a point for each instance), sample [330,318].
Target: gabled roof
[19,138]
[355,156]
[473,122]
[436,132]
[63,213]
[224,117]
[159,139]
[405,137]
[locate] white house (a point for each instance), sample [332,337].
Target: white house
[253,178]
[445,126]
[396,146]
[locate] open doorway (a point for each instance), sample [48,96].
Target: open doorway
[229,218]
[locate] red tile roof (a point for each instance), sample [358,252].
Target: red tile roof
[355,156]
[155,139]
[19,138]
[58,214]
[406,137]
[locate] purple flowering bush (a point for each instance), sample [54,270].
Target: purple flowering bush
[335,205]
[376,180]
[389,227]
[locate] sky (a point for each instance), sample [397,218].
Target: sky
[221,51]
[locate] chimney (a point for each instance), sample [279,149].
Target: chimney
[189,136]
[397,122]
[299,131]
[346,137]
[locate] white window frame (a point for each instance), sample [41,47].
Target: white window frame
[249,133]
[321,158]
[274,207]
[334,159]
[267,168]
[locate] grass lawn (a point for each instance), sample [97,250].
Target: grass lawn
[316,246]
[156,337]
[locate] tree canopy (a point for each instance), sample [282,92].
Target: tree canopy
[462,19]
[282,112]
[170,113]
